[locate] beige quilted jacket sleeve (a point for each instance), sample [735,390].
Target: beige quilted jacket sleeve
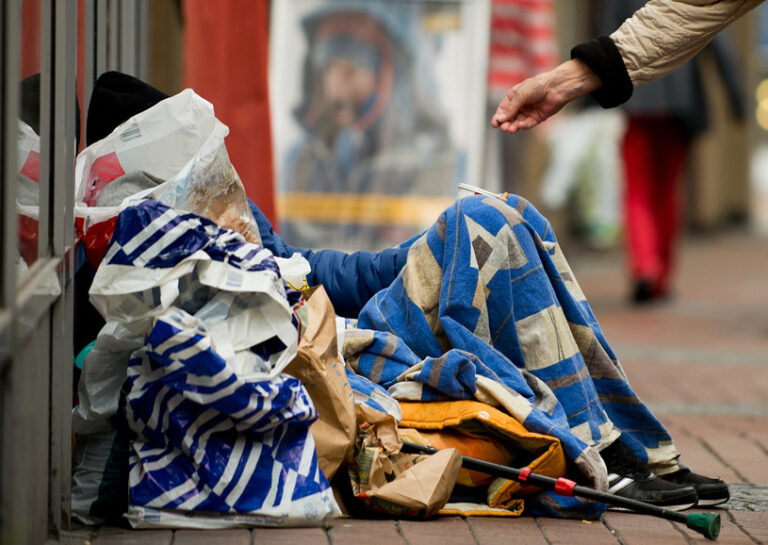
[664,34]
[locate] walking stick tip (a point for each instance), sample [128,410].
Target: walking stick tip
[707,524]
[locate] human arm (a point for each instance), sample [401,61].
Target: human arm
[535,99]
[656,40]
[350,279]
[664,34]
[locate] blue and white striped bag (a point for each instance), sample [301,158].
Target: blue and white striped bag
[220,436]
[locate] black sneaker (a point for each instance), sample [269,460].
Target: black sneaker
[652,489]
[630,478]
[642,292]
[710,491]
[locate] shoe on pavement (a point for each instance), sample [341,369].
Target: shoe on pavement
[630,478]
[710,491]
[652,489]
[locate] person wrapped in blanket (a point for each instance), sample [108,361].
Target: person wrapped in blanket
[483,306]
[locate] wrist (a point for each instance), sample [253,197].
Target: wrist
[574,79]
[604,59]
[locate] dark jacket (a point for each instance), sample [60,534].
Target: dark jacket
[349,279]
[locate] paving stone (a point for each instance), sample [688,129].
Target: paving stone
[208,537]
[636,529]
[360,531]
[439,531]
[748,497]
[133,537]
[575,532]
[755,524]
[695,454]
[280,536]
[73,537]
[499,530]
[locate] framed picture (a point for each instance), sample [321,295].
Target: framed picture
[378,113]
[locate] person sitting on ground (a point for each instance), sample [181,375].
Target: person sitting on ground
[556,372]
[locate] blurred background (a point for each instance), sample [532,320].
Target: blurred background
[353,121]
[352,124]
[449,63]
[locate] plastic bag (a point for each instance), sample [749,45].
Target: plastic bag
[27,192]
[178,140]
[585,167]
[100,468]
[217,428]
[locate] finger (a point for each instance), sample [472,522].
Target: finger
[508,107]
[521,122]
[499,116]
[527,123]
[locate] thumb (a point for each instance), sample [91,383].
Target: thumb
[509,106]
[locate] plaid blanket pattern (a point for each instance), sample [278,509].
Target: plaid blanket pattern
[216,427]
[488,307]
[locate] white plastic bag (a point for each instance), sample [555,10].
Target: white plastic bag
[180,141]
[585,170]
[27,192]
[219,326]
[104,370]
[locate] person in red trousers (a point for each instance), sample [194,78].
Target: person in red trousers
[663,118]
[654,150]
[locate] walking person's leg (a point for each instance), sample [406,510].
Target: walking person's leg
[670,154]
[640,222]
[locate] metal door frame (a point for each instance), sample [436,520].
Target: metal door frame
[36,310]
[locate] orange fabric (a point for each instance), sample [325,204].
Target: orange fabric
[542,453]
[472,445]
[225,62]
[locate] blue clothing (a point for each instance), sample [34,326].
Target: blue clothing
[349,279]
[487,308]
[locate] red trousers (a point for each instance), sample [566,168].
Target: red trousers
[654,149]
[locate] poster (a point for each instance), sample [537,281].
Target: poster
[377,115]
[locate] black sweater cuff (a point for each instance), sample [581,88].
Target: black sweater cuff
[603,58]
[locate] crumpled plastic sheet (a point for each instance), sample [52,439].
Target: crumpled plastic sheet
[218,429]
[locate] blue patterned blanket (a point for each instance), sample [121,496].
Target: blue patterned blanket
[488,308]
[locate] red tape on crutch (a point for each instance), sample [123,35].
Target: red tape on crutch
[564,487]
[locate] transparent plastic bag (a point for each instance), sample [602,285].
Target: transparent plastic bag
[178,140]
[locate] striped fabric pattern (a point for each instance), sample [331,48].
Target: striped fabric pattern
[215,426]
[487,307]
[523,42]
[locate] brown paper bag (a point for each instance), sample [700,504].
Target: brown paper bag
[318,366]
[394,483]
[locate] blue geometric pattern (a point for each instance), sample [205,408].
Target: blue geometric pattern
[488,308]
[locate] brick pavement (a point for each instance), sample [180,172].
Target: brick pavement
[700,361]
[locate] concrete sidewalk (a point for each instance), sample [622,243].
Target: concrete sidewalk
[700,361]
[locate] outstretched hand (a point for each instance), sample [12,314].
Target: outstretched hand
[534,100]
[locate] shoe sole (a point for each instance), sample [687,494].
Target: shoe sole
[704,502]
[677,507]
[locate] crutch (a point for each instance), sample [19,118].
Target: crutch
[707,524]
